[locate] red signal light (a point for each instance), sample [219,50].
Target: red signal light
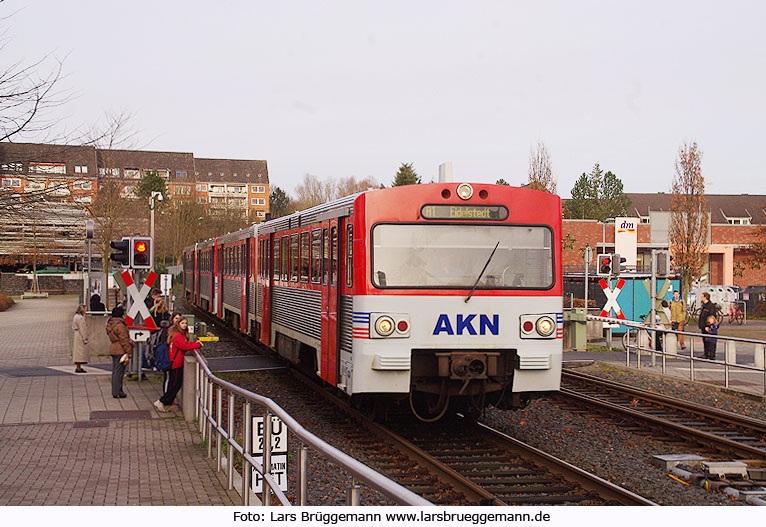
[140,247]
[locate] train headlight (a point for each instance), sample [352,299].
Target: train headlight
[545,326]
[384,326]
[465,191]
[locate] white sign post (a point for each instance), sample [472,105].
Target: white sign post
[278,452]
[166,284]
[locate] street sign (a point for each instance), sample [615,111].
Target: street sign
[166,284]
[139,335]
[278,452]
[137,306]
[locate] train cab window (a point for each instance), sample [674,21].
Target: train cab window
[334,256]
[349,255]
[294,260]
[316,256]
[305,257]
[285,258]
[276,260]
[325,256]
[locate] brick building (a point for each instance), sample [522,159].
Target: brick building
[733,222]
[66,179]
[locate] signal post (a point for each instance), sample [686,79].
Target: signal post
[136,253]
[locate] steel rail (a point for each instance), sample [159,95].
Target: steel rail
[726,444]
[605,489]
[672,402]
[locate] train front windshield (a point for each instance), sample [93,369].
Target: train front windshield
[453,256]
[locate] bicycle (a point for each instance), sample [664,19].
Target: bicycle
[735,314]
[632,334]
[693,315]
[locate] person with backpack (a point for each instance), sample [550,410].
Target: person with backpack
[178,344]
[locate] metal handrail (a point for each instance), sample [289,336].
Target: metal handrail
[211,420]
[760,346]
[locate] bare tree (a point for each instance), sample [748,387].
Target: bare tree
[114,213]
[313,191]
[540,175]
[27,92]
[689,218]
[350,185]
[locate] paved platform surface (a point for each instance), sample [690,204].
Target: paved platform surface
[65,441]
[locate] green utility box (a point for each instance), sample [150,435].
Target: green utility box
[190,319]
[576,326]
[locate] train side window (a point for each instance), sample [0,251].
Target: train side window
[316,256]
[325,256]
[349,255]
[294,258]
[305,257]
[266,258]
[285,258]
[276,259]
[334,256]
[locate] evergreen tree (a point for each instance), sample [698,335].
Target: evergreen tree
[501,181]
[406,175]
[279,202]
[597,196]
[151,182]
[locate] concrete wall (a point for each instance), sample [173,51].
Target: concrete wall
[53,284]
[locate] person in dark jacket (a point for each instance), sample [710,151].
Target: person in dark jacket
[96,304]
[708,308]
[120,346]
[178,342]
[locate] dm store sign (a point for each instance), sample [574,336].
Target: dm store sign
[626,239]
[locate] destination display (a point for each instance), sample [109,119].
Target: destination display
[464,212]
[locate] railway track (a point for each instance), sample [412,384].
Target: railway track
[720,431]
[484,465]
[462,463]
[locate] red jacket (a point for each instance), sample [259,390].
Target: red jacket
[178,346]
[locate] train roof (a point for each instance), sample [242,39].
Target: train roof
[308,216]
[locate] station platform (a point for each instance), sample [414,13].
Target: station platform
[65,441]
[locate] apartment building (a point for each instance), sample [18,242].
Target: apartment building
[58,181]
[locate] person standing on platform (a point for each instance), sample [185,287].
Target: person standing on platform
[80,353]
[710,343]
[96,304]
[178,343]
[677,316]
[117,330]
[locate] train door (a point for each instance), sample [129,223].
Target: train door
[267,282]
[247,249]
[330,295]
[215,280]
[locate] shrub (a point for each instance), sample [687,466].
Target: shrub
[5,302]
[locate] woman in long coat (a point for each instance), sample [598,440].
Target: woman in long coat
[80,353]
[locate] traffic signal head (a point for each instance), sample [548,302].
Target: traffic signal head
[662,263]
[617,262]
[604,265]
[121,252]
[141,252]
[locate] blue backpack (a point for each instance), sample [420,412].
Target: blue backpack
[162,357]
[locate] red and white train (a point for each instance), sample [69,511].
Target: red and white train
[443,295]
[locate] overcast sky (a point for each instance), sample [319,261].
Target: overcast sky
[340,89]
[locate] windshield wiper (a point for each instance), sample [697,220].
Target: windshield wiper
[482,272]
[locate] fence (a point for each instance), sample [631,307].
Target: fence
[208,408]
[641,341]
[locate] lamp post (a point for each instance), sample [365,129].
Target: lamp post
[158,196]
[89,227]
